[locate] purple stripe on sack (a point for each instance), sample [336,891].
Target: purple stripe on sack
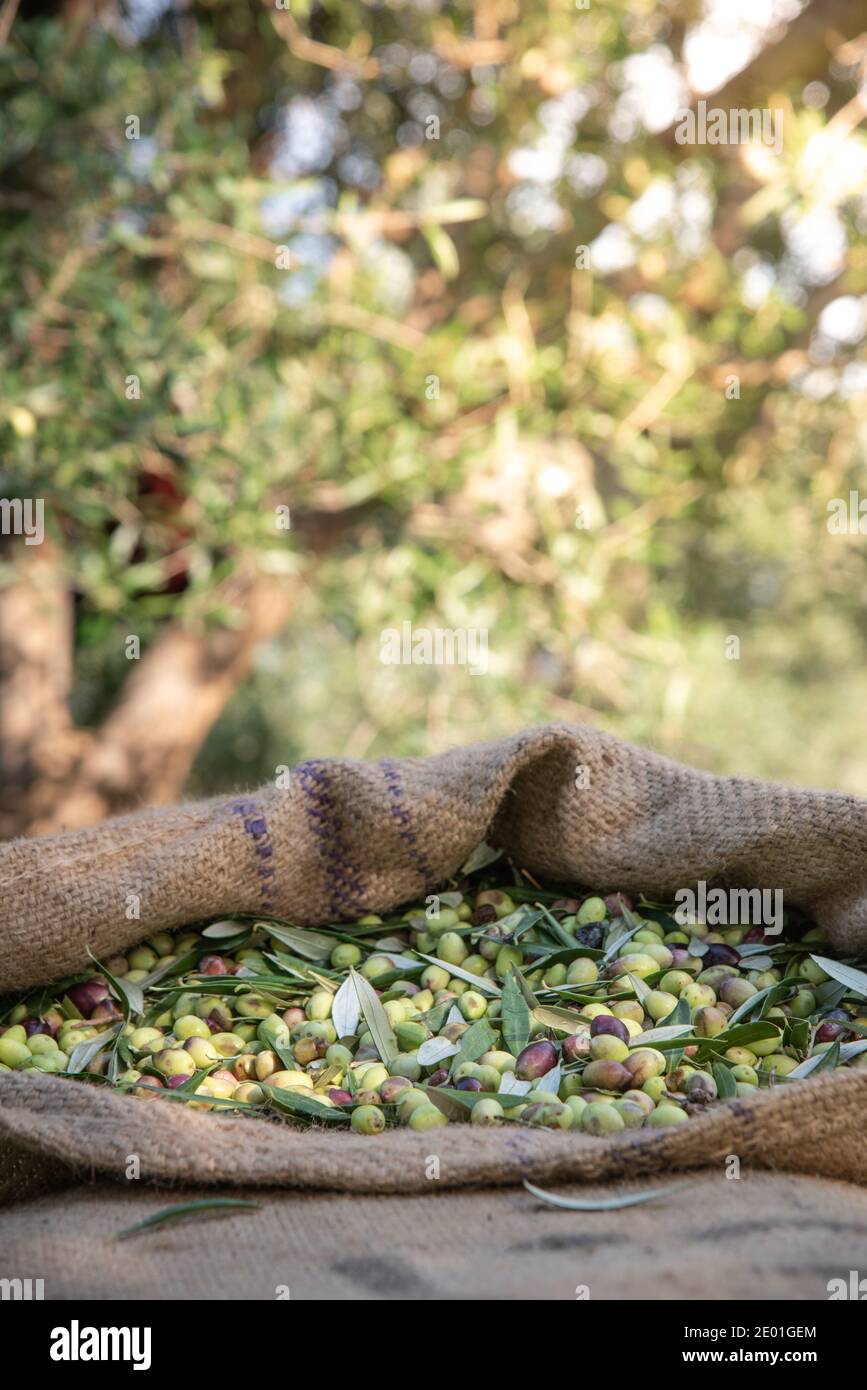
[256,826]
[342,878]
[404,822]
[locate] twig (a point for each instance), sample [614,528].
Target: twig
[7,19]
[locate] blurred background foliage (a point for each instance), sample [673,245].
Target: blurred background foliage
[614,459]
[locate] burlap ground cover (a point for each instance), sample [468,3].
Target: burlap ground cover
[765,1236]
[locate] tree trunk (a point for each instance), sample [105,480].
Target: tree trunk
[54,776]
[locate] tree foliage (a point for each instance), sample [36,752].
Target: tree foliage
[533,367]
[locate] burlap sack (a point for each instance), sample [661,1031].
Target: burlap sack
[349,837]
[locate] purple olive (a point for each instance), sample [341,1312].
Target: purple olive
[720,954]
[592,935]
[615,902]
[608,1076]
[86,996]
[605,1023]
[831,1027]
[536,1060]
[754,934]
[468,1083]
[32,1026]
[484,915]
[576,1046]
[339,1096]
[174,1081]
[439,1077]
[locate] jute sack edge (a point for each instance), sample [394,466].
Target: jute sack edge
[51,1127]
[347,837]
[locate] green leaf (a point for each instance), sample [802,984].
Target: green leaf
[641,989]
[435,1050]
[632,1199]
[224,931]
[211,1206]
[169,968]
[376,1018]
[478,1038]
[129,993]
[821,1061]
[555,929]
[745,1033]
[612,950]
[470,1098]
[514,1015]
[764,998]
[679,1014]
[562,1020]
[481,857]
[299,1103]
[484,986]
[854,980]
[346,1009]
[664,1033]
[309,944]
[86,1051]
[726,1085]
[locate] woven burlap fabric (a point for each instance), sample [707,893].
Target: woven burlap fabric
[347,837]
[764,1236]
[52,1130]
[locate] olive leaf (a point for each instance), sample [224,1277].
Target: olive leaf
[511,1085]
[483,985]
[664,1033]
[726,1085]
[436,1050]
[555,928]
[211,1206]
[481,857]
[854,980]
[631,1199]
[470,1098]
[128,993]
[179,966]
[223,931]
[764,998]
[679,1014]
[478,1038]
[514,1015]
[641,989]
[299,1103]
[346,1010]
[85,1052]
[562,1020]
[375,1017]
[551,1080]
[310,944]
